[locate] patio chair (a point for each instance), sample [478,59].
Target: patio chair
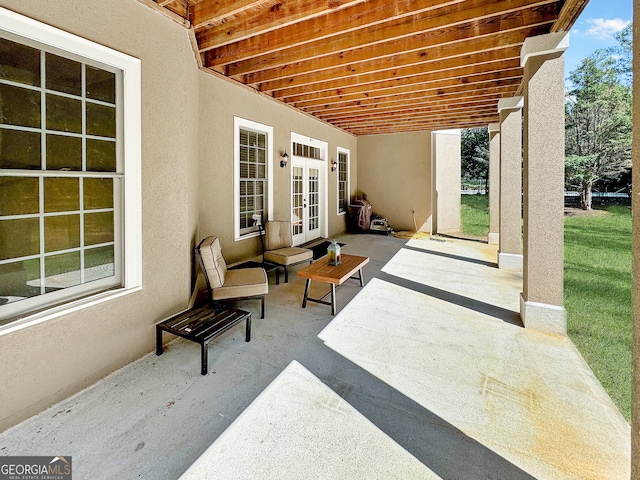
[277,246]
[223,284]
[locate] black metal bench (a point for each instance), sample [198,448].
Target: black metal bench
[201,325]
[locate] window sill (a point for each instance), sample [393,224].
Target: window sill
[247,236]
[67,308]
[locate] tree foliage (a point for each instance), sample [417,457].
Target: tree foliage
[598,124]
[623,53]
[475,153]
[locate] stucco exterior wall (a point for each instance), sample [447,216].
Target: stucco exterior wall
[45,363]
[221,100]
[395,172]
[447,173]
[187,193]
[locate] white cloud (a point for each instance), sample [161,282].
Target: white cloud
[605,29]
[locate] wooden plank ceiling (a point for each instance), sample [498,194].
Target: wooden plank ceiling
[374,66]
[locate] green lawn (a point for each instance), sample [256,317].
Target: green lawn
[475,215]
[597,289]
[597,293]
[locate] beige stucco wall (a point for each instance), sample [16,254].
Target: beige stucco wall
[395,172]
[187,186]
[47,362]
[446,171]
[221,101]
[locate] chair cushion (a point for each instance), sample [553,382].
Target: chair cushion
[277,234]
[242,282]
[288,256]
[213,262]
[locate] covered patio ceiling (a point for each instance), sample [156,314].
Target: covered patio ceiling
[374,66]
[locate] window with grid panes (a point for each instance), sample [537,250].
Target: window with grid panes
[253,178]
[343,180]
[61,176]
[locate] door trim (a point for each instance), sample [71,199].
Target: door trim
[324,187]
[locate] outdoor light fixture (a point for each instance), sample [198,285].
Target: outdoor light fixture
[284,158]
[334,165]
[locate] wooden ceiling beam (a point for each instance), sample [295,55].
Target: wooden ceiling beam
[500,91]
[425,126]
[418,106]
[383,110]
[378,58]
[394,38]
[216,12]
[286,85]
[166,12]
[386,110]
[511,77]
[335,22]
[568,15]
[260,21]
[429,125]
[416,115]
[465,74]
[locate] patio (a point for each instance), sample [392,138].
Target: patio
[426,372]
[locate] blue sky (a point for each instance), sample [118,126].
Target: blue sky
[595,28]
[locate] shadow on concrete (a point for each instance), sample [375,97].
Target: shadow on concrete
[443,448]
[504,314]
[454,257]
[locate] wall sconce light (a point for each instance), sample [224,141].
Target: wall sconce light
[334,165]
[284,158]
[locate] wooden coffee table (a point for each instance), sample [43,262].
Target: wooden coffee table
[336,275]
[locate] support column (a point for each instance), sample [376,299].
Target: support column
[494,184]
[542,302]
[448,164]
[510,249]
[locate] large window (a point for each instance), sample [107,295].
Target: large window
[343,180]
[62,168]
[253,154]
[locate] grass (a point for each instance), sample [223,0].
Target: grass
[475,215]
[597,290]
[597,293]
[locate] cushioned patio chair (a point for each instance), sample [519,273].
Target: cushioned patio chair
[277,246]
[223,284]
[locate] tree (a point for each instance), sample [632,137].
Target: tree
[623,53]
[475,154]
[598,124]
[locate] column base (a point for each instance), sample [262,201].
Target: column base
[510,261]
[543,316]
[493,238]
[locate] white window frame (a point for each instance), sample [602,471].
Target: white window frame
[239,123]
[131,133]
[348,153]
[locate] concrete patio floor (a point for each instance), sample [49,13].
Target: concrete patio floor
[426,372]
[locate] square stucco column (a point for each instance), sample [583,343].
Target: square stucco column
[542,303]
[510,239]
[447,166]
[494,184]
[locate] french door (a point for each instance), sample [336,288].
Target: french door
[307,199]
